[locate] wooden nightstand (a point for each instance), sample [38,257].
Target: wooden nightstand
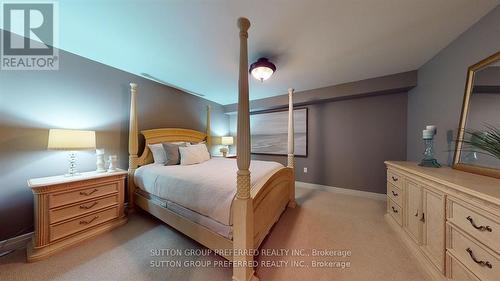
[69,210]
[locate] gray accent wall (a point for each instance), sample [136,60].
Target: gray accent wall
[82,94]
[349,140]
[437,99]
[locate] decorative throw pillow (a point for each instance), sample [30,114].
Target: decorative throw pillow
[159,155]
[194,154]
[172,152]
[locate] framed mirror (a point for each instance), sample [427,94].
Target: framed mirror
[478,139]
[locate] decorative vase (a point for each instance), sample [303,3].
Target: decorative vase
[428,137]
[100,163]
[113,159]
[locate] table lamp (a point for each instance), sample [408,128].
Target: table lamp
[226,141]
[71,140]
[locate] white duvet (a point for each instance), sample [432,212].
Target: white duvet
[207,188]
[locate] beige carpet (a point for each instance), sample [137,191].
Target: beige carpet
[323,220]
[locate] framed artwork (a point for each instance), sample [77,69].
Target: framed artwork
[269,132]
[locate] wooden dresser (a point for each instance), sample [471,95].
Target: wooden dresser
[69,210]
[449,219]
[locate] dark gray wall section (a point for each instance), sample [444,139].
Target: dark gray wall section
[85,95]
[438,97]
[349,141]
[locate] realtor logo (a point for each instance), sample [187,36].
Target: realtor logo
[28,36]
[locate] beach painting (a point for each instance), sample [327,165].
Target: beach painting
[269,132]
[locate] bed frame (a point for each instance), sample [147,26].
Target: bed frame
[254,210]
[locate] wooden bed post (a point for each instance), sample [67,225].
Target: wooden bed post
[243,223]
[291,146]
[209,137]
[133,146]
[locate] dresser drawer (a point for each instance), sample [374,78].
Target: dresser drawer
[63,213]
[457,271]
[395,179]
[64,229]
[395,211]
[483,263]
[482,227]
[73,196]
[395,193]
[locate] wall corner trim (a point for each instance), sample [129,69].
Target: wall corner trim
[15,243]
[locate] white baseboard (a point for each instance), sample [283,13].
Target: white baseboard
[15,243]
[353,192]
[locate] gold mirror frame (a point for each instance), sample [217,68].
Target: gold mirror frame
[485,171]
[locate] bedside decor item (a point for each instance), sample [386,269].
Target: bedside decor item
[428,137]
[226,142]
[71,140]
[100,163]
[477,145]
[113,161]
[69,210]
[262,69]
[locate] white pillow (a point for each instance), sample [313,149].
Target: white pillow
[159,155]
[194,154]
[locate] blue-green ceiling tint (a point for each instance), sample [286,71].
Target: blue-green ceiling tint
[194,44]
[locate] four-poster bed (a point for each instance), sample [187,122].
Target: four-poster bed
[255,205]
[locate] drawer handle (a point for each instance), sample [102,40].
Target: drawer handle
[416,215]
[394,179]
[481,263]
[394,209]
[88,193]
[88,207]
[394,193]
[90,221]
[481,227]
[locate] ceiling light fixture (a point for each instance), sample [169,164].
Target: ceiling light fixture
[262,69]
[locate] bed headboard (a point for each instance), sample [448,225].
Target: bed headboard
[155,136]
[167,135]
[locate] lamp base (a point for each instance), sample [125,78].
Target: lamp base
[72,171]
[432,163]
[224,151]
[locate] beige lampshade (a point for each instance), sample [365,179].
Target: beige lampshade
[71,139]
[227,140]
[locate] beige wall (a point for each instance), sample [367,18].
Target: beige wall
[82,94]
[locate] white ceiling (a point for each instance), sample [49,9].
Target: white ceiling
[194,44]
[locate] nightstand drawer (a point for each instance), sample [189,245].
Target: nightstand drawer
[67,228]
[395,211]
[64,198]
[483,263]
[63,213]
[395,194]
[478,224]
